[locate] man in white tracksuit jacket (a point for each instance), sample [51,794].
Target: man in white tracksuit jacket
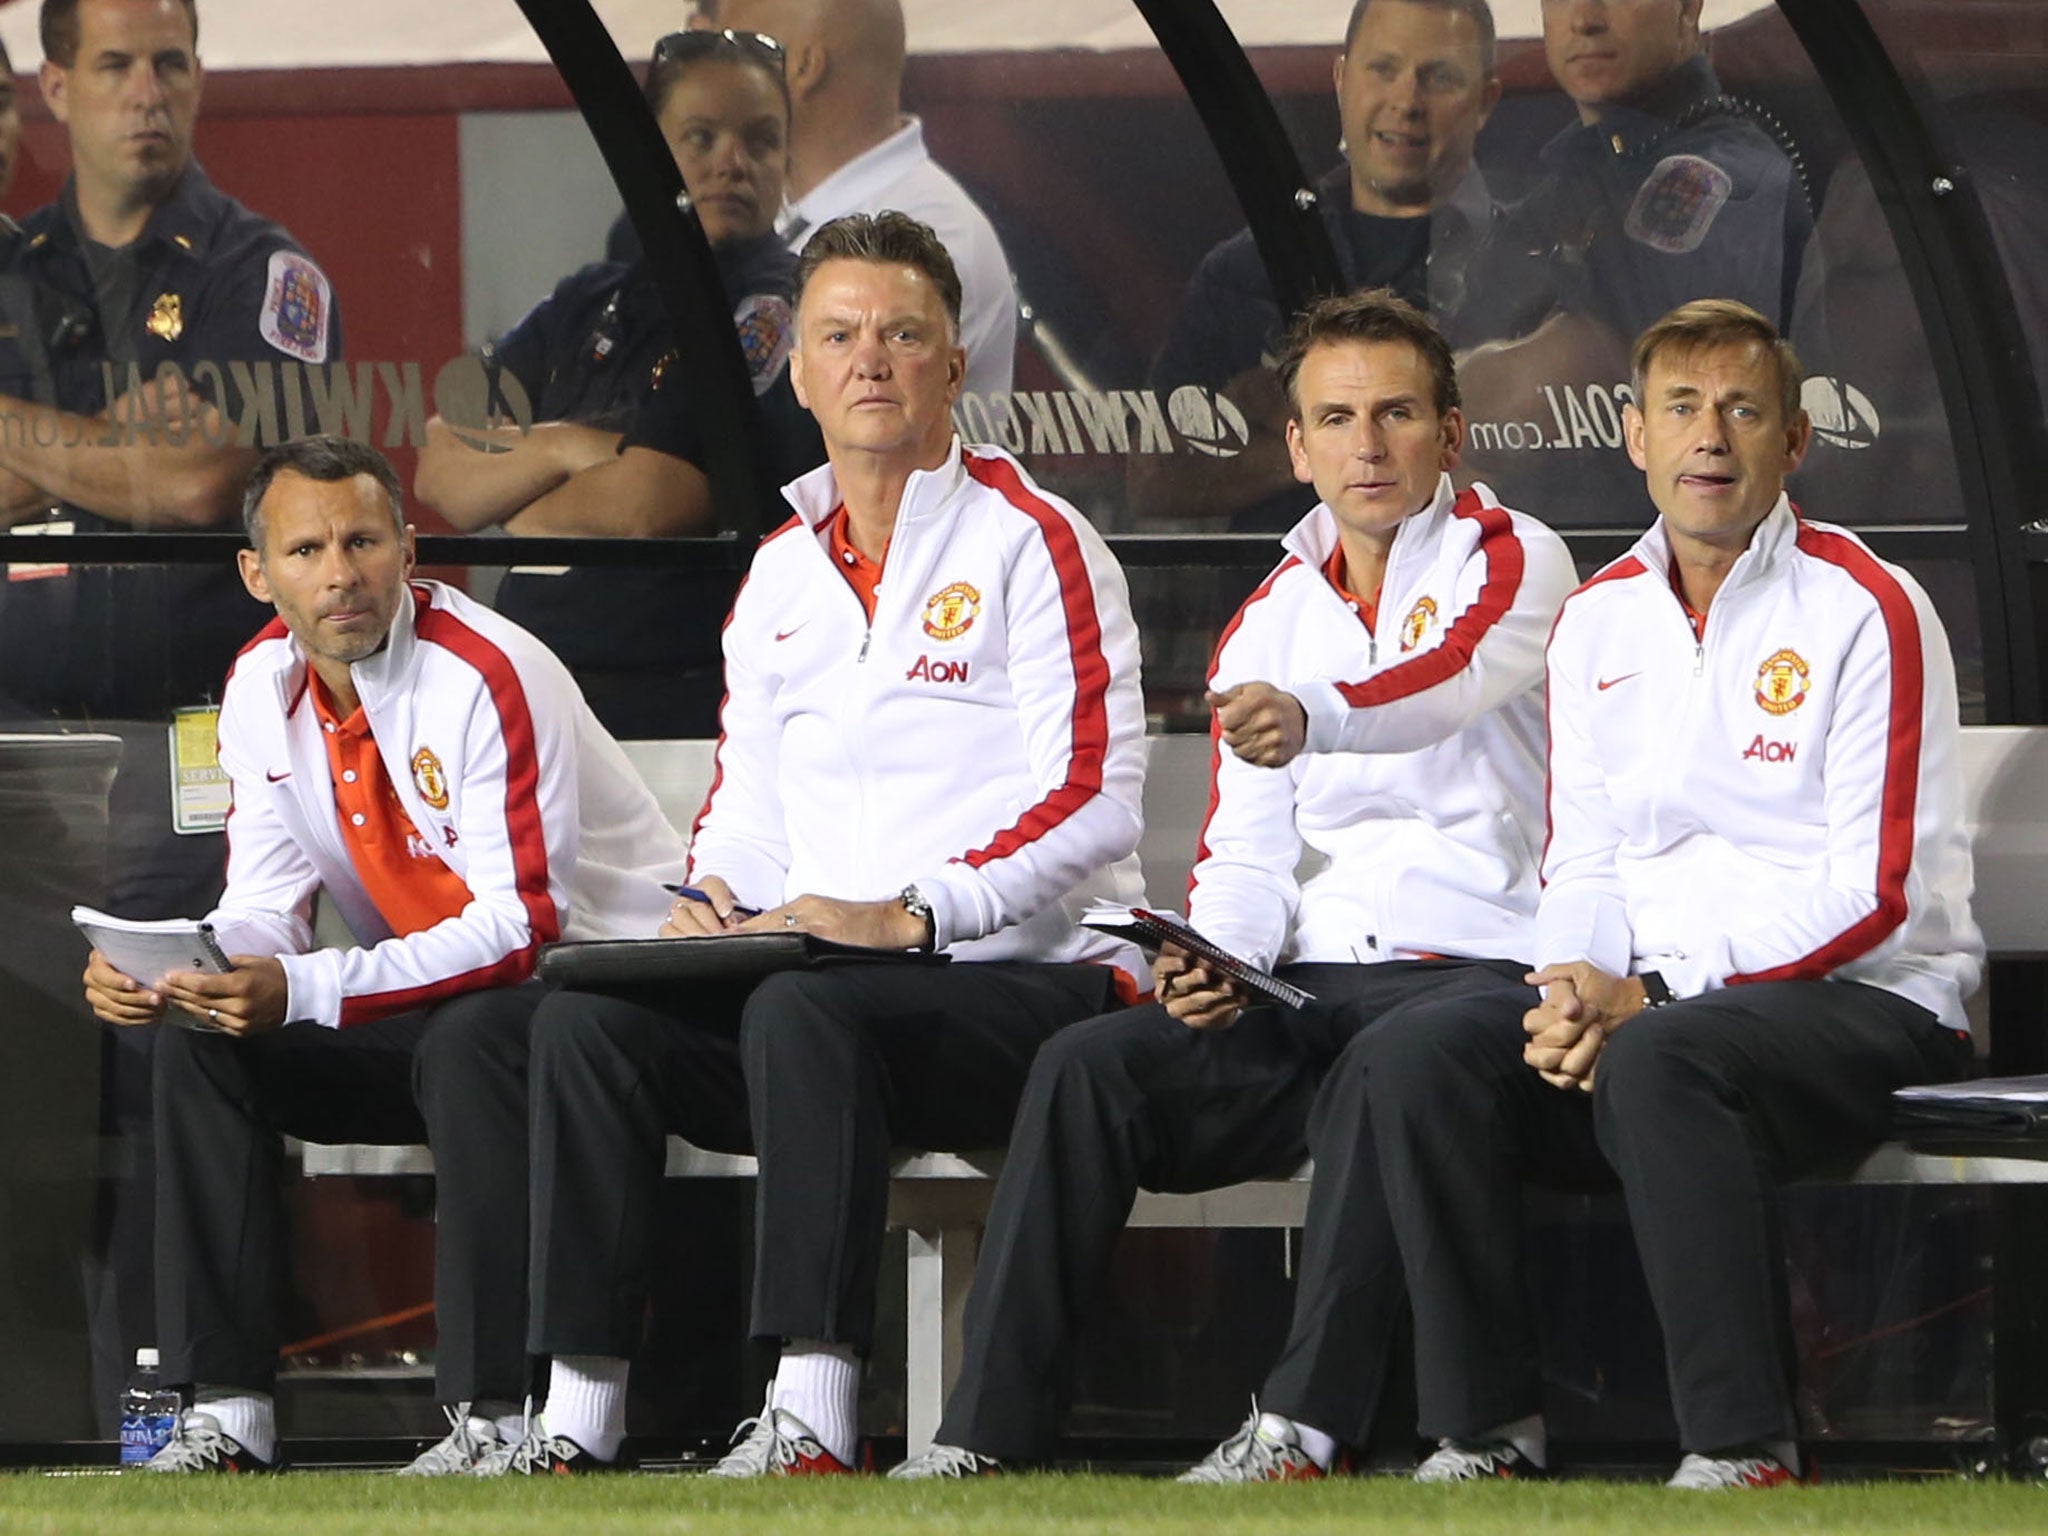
[432,769]
[1755,925]
[1409,620]
[933,739]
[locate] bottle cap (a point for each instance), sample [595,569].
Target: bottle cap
[146,1359]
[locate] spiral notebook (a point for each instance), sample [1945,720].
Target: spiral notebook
[1149,929]
[147,952]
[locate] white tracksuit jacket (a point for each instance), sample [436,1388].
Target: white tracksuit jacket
[985,739]
[503,771]
[1779,800]
[1422,791]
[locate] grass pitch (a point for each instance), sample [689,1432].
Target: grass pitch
[345,1504]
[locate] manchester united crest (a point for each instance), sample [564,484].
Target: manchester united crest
[428,778]
[1781,683]
[166,319]
[951,611]
[1416,625]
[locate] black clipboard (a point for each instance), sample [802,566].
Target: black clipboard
[1991,1107]
[598,964]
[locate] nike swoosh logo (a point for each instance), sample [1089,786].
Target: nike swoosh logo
[276,778]
[1606,683]
[788,632]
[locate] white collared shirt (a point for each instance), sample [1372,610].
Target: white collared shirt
[900,173]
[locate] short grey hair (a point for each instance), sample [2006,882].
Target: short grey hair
[326,458]
[887,239]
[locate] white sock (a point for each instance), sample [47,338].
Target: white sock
[1317,1446]
[249,1418]
[820,1384]
[587,1402]
[1527,1435]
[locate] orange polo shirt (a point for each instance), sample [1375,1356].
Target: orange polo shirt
[1368,607]
[402,875]
[1693,616]
[861,573]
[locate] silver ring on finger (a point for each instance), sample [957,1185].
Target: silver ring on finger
[789,919]
[213,1014]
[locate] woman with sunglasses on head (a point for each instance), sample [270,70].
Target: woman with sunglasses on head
[614,452]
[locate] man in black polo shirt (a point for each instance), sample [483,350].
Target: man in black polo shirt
[140,265]
[1406,210]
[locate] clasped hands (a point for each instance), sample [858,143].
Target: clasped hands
[885,924]
[1582,1007]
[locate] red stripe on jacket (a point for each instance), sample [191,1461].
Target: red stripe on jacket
[1901,791]
[1504,566]
[1089,742]
[1621,570]
[508,972]
[1216,726]
[525,833]
[725,698]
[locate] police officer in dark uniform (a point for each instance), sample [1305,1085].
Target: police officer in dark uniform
[150,327]
[151,332]
[1664,191]
[617,452]
[1670,196]
[1407,211]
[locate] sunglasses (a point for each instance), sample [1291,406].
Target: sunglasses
[702,42]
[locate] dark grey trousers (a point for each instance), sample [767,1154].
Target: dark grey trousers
[820,1074]
[1135,1100]
[1700,1110]
[453,1076]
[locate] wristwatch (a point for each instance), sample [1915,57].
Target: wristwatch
[918,905]
[1655,993]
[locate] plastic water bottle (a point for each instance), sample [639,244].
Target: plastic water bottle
[148,1412]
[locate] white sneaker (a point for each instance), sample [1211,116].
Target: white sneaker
[776,1443]
[457,1454]
[947,1461]
[1452,1462]
[198,1444]
[1265,1449]
[1758,1469]
[540,1454]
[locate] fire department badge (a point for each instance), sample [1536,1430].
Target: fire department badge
[297,306]
[1781,683]
[1676,204]
[1416,625]
[428,778]
[950,612]
[763,321]
[166,319]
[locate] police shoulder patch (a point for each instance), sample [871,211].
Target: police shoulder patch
[764,323]
[298,305]
[1677,203]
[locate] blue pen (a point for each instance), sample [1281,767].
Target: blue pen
[691,893]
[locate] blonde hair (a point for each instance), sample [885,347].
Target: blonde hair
[1717,323]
